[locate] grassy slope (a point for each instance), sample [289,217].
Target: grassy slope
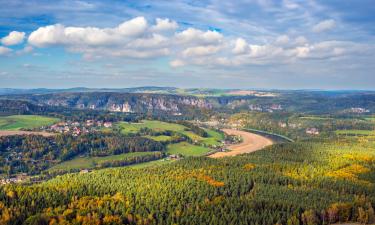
[370,118]
[213,139]
[151,124]
[150,164]
[355,132]
[89,162]
[187,149]
[159,138]
[18,122]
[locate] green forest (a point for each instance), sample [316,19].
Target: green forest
[317,182]
[152,168]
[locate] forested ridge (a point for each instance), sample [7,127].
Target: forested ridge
[317,182]
[32,154]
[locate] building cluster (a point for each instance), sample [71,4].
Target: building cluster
[78,128]
[312,131]
[18,179]
[289,125]
[265,108]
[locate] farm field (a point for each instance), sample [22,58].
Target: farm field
[154,163]
[187,149]
[91,162]
[159,138]
[18,122]
[127,128]
[20,132]
[315,118]
[355,132]
[214,138]
[370,118]
[159,126]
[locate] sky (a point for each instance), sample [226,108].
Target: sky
[278,44]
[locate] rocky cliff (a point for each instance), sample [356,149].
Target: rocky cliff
[120,102]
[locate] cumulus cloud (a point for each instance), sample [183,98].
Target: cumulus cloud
[4,50]
[13,38]
[282,40]
[164,25]
[89,36]
[132,38]
[200,50]
[325,25]
[192,35]
[241,46]
[136,38]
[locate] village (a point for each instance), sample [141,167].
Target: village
[77,128]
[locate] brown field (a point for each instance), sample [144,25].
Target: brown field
[251,143]
[19,132]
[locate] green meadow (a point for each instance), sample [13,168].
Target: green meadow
[127,128]
[355,132]
[91,162]
[17,122]
[186,149]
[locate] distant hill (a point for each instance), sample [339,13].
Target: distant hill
[153,100]
[117,102]
[150,89]
[12,107]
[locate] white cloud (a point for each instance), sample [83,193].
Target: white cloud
[241,46]
[136,38]
[49,35]
[177,63]
[200,51]
[4,50]
[282,40]
[290,4]
[164,25]
[13,38]
[195,36]
[132,38]
[61,35]
[300,40]
[325,25]
[133,27]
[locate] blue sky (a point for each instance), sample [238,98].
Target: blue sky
[283,44]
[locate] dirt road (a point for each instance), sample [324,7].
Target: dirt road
[251,143]
[19,132]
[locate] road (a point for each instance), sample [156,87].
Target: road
[251,143]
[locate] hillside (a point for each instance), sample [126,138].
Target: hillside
[316,182]
[314,102]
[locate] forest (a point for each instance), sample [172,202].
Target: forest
[32,154]
[316,182]
[151,167]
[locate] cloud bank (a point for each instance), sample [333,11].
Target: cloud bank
[137,38]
